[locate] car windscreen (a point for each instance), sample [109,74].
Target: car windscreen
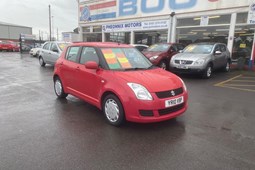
[158,47]
[62,45]
[125,59]
[198,48]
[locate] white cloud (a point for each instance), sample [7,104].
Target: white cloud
[35,14]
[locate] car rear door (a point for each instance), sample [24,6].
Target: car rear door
[69,68]
[89,80]
[45,52]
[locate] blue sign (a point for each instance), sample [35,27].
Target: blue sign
[131,7]
[85,14]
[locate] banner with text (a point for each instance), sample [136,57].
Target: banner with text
[136,26]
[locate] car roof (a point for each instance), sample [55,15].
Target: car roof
[101,44]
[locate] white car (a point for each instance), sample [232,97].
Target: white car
[35,52]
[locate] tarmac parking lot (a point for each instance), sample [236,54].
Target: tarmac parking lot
[39,131]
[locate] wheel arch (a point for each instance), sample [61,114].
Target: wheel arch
[106,93]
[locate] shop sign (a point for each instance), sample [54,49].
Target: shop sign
[204,21]
[142,8]
[251,14]
[134,26]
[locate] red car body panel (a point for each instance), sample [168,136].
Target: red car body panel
[163,55]
[9,46]
[92,84]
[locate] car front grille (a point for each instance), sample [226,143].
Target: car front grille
[184,62]
[170,110]
[169,93]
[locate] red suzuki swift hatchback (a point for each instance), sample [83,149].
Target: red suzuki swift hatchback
[120,81]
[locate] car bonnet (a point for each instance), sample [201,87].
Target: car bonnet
[154,80]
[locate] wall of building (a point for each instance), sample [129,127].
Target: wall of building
[11,32]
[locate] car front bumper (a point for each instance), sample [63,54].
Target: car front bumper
[153,111]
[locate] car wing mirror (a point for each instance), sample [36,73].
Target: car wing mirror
[91,65]
[218,53]
[180,51]
[55,50]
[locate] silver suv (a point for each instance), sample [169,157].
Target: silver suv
[201,58]
[50,52]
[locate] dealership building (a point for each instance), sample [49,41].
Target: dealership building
[183,21]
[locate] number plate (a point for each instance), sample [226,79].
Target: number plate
[182,67]
[173,102]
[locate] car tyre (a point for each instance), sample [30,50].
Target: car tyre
[227,67]
[113,110]
[58,88]
[41,61]
[208,72]
[163,65]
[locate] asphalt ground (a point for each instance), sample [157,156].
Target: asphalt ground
[39,131]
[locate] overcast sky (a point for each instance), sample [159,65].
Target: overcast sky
[35,14]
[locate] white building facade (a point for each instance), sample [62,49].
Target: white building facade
[185,21]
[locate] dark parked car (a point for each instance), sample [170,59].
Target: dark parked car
[160,54]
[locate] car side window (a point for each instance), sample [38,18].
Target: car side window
[173,48]
[180,47]
[88,54]
[46,46]
[72,53]
[223,48]
[54,47]
[217,48]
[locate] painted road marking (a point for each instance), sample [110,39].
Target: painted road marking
[240,82]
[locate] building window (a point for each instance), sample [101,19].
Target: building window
[85,29]
[213,20]
[97,28]
[92,37]
[242,18]
[150,37]
[121,37]
[187,36]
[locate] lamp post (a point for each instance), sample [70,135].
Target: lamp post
[50,21]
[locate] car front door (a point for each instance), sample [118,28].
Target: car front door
[217,55]
[89,80]
[54,53]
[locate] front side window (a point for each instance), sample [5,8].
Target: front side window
[54,47]
[125,59]
[72,53]
[46,46]
[88,54]
[198,49]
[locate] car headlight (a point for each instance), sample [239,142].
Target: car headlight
[140,91]
[199,62]
[184,85]
[154,58]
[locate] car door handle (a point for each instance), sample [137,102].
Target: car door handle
[78,68]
